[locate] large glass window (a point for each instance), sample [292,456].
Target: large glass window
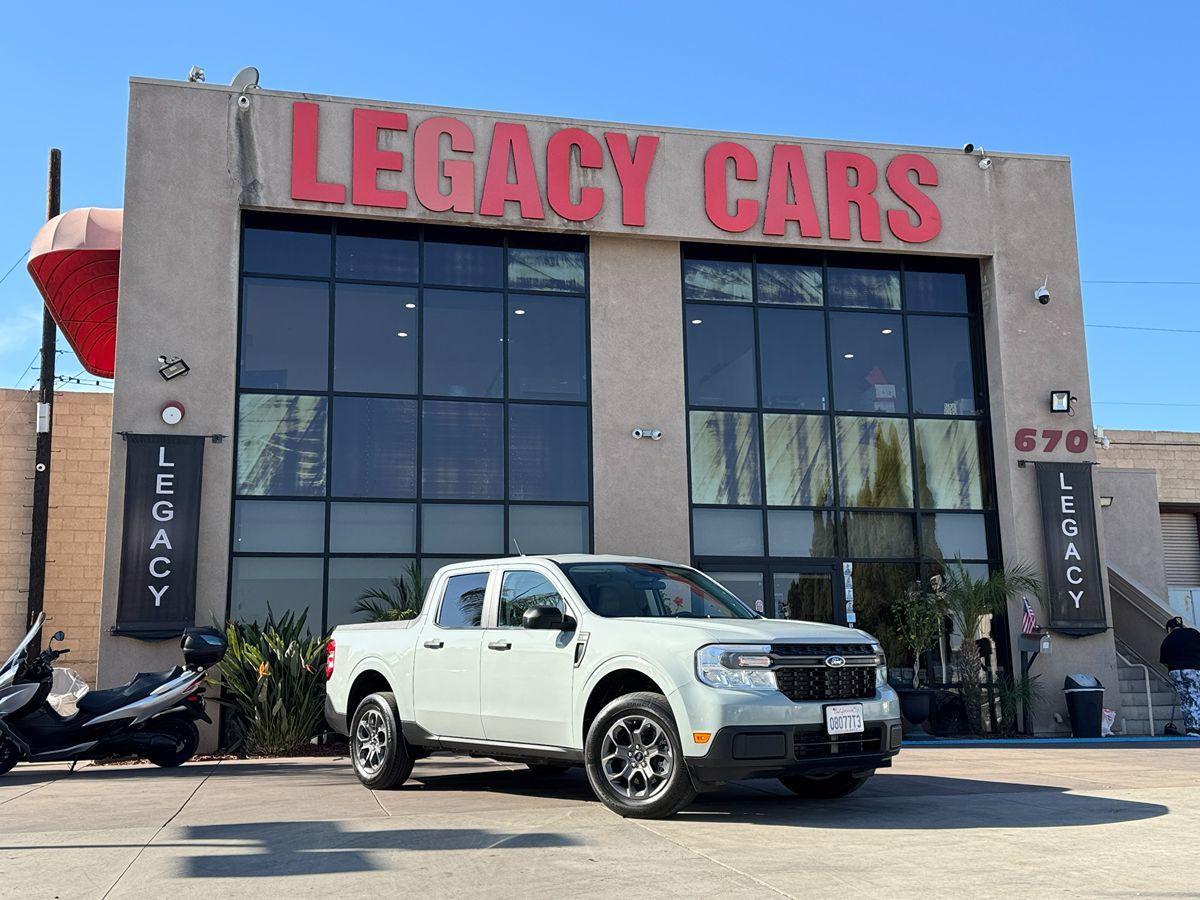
[406,394]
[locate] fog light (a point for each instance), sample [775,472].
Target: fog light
[896,737]
[701,737]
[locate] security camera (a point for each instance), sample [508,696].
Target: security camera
[1042,295]
[968,148]
[653,433]
[656,435]
[638,434]
[243,102]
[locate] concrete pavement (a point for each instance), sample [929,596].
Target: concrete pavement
[979,821]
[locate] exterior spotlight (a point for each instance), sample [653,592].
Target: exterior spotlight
[172,367]
[1060,401]
[1106,502]
[195,74]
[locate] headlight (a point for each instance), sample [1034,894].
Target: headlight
[743,666]
[881,672]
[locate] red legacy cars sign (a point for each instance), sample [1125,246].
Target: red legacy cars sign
[444,181]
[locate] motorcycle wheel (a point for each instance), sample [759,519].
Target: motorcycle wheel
[9,756]
[186,737]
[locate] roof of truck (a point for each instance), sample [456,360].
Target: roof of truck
[564,558]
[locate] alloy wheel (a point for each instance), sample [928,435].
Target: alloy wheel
[370,739]
[636,757]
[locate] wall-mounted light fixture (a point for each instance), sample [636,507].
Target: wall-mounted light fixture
[172,367]
[1106,502]
[1062,402]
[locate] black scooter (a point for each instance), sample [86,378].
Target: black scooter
[154,715]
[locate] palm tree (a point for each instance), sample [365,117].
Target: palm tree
[401,601]
[966,601]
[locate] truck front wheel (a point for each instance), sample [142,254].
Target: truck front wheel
[634,758]
[381,757]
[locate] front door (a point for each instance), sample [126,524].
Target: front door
[527,674]
[446,668]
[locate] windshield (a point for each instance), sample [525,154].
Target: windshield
[645,590]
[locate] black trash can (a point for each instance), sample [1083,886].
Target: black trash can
[1085,704]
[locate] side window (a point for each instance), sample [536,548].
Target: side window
[524,590]
[462,603]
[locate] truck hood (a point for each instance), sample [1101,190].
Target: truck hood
[712,631]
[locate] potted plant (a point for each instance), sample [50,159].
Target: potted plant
[917,622]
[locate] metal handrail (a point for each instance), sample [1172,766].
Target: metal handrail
[1149,695]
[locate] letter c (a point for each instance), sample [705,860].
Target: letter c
[154,573]
[1077,578]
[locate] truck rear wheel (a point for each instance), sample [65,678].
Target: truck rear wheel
[380,754]
[634,758]
[826,787]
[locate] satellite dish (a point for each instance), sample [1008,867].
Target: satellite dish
[245,79]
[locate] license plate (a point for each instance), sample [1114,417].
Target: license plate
[844,719]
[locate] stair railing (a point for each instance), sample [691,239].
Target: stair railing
[1149,694]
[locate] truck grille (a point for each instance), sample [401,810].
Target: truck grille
[816,742]
[811,683]
[822,650]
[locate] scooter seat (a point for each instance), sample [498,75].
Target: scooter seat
[96,703]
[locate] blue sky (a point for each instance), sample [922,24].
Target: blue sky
[1113,87]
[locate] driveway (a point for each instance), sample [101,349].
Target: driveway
[979,821]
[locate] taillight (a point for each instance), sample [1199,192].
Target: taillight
[329,648]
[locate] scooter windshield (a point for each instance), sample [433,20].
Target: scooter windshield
[13,661]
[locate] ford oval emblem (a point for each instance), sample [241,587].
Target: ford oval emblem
[835,662]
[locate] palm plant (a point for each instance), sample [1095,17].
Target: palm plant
[1014,694]
[401,600]
[966,600]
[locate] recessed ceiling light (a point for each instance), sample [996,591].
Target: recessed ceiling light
[848,355]
[887,331]
[697,321]
[519,312]
[410,306]
[401,334]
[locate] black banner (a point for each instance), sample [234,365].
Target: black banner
[1074,587]
[157,594]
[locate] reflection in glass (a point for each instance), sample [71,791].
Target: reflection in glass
[462,528]
[807,596]
[720,356]
[874,462]
[545,270]
[547,452]
[727,532]
[725,458]
[935,291]
[282,583]
[374,447]
[746,586]
[798,467]
[462,603]
[948,473]
[521,591]
[880,535]
[462,451]
[281,445]
[868,362]
[375,339]
[465,264]
[953,535]
[867,288]
[876,587]
[547,348]
[548,529]
[463,348]
[372,528]
[279,526]
[792,346]
[801,532]
[940,358]
[375,257]
[285,334]
[350,578]
[717,280]
[779,283]
[291,249]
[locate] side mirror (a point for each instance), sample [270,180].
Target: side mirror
[547,618]
[58,636]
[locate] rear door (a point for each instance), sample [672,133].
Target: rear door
[446,669]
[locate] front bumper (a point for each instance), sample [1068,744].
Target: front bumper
[737,752]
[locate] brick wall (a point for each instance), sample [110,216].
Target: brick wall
[1174,455]
[75,539]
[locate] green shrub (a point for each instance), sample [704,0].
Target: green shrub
[274,679]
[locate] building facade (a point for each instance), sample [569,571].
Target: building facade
[419,334]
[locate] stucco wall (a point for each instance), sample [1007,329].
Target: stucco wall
[1174,455]
[1132,526]
[17,412]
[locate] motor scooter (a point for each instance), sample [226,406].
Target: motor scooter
[153,715]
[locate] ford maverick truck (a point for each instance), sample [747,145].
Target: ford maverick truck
[650,675]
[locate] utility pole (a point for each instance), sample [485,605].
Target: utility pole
[41,468]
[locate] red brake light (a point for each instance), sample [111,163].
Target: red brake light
[329,649]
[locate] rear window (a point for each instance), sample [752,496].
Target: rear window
[462,603]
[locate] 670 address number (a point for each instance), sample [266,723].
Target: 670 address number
[1026,440]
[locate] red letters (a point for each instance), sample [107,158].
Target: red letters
[369,160]
[558,174]
[789,176]
[511,141]
[716,193]
[633,169]
[929,220]
[305,185]
[427,173]
[841,194]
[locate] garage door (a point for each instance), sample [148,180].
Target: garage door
[1181,548]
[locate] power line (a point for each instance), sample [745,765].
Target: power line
[14,265]
[1115,281]
[21,377]
[1137,403]
[1145,328]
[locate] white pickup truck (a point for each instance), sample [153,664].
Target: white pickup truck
[651,675]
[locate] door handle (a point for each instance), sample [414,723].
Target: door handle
[434,645]
[500,645]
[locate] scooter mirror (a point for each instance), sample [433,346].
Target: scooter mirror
[58,636]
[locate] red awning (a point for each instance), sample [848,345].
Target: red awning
[74,261]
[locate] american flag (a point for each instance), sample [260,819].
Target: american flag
[1029,620]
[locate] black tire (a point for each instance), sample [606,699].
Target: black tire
[9,755]
[546,768]
[826,787]
[659,772]
[183,732]
[380,754]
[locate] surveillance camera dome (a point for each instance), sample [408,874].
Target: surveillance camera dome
[985,163]
[1042,295]
[968,148]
